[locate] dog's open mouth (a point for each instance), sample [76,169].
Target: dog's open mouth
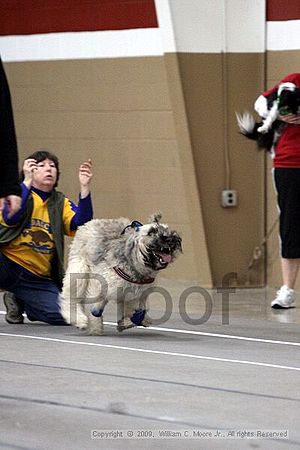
[162,258]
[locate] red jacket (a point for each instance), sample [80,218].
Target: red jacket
[287,150]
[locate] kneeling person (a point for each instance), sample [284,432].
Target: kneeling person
[32,240]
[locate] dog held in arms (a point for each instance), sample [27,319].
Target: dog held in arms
[285,100]
[115,259]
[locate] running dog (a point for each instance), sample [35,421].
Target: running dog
[115,259]
[283,101]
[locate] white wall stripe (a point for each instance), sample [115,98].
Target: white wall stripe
[283,35]
[165,23]
[199,26]
[154,352]
[245,26]
[82,45]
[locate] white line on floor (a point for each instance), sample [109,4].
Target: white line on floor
[156,352]
[223,336]
[216,335]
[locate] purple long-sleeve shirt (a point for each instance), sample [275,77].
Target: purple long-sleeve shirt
[83,211]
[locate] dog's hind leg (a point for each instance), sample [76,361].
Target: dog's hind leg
[73,312]
[72,296]
[95,325]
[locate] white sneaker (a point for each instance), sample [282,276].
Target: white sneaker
[285,298]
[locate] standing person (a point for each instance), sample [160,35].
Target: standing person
[31,240]
[9,177]
[286,171]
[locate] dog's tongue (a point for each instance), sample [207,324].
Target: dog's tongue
[165,257]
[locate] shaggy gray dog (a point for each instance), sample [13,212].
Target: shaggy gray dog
[115,259]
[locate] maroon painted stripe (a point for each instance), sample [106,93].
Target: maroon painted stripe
[50,16]
[283,10]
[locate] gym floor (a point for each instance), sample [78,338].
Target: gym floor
[217,370]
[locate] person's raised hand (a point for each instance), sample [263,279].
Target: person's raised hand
[29,166]
[12,202]
[85,177]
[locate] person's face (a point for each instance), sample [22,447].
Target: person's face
[45,175]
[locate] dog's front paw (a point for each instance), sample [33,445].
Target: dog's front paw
[124,324]
[263,129]
[138,317]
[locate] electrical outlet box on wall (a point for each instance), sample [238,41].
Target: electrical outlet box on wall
[229,198]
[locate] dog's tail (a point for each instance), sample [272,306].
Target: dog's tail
[247,125]
[249,128]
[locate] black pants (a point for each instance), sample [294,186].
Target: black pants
[287,183]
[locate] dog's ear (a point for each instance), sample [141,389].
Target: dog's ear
[178,240]
[156,217]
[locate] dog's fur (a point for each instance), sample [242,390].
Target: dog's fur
[284,100]
[100,249]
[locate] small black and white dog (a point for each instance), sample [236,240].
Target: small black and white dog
[283,101]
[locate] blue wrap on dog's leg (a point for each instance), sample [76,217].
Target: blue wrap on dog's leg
[138,316]
[97,312]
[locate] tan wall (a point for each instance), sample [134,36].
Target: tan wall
[119,113]
[156,129]
[279,64]
[215,87]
